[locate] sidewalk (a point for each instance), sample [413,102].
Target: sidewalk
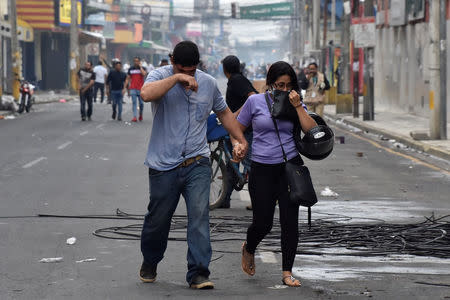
[397,126]
[42,97]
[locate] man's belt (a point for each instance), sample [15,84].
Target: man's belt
[190,161]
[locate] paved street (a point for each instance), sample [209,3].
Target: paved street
[52,163]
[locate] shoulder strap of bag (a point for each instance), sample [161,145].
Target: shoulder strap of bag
[276,126]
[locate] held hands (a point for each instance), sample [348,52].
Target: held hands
[239,151]
[189,82]
[294,98]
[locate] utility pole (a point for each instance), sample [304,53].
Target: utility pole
[316,25]
[15,53]
[74,59]
[325,23]
[443,71]
[435,81]
[333,20]
[302,29]
[345,45]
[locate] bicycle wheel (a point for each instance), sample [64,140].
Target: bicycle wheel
[218,181]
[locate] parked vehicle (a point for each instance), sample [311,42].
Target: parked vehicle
[26,96]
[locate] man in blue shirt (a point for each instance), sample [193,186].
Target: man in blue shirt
[182,98]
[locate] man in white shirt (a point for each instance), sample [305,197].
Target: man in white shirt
[100,77]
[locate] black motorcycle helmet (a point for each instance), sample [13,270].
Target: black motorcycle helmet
[318,142]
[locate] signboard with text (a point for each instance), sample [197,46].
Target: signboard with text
[64,12]
[266,10]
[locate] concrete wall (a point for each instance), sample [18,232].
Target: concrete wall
[402,69]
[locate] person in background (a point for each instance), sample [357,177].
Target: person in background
[116,89]
[135,79]
[86,80]
[316,84]
[164,62]
[182,98]
[100,78]
[239,88]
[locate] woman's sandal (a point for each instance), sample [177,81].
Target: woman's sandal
[293,281]
[248,261]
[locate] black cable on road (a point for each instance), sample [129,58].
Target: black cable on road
[377,238]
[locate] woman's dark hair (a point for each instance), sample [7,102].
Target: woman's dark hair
[313,64]
[186,54]
[279,69]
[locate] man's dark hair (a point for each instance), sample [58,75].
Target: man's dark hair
[137,57]
[89,62]
[186,54]
[164,60]
[231,64]
[279,69]
[99,63]
[313,64]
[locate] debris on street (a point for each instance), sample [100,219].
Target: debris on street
[86,260]
[327,192]
[51,260]
[71,241]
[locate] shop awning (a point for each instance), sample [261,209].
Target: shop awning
[91,37]
[151,45]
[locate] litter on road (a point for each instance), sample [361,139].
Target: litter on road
[71,241]
[327,192]
[51,260]
[86,260]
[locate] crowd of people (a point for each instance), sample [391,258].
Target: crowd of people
[115,83]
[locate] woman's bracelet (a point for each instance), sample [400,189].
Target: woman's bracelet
[300,104]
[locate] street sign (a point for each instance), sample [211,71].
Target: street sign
[363,33]
[266,10]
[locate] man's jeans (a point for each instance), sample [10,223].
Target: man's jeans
[117,97]
[135,95]
[86,97]
[193,183]
[101,87]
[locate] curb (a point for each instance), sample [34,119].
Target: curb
[399,138]
[7,112]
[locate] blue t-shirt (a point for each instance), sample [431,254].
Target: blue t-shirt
[266,147]
[179,120]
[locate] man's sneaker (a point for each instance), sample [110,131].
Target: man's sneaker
[147,273]
[89,119]
[83,118]
[134,119]
[113,115]
[119,119]
[140,117]
[201,282]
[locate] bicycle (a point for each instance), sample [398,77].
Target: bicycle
[221,154]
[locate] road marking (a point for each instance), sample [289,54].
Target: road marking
[32,163]
[60,147]
[100,126]
[416,160]
[84,133]
[268,257]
